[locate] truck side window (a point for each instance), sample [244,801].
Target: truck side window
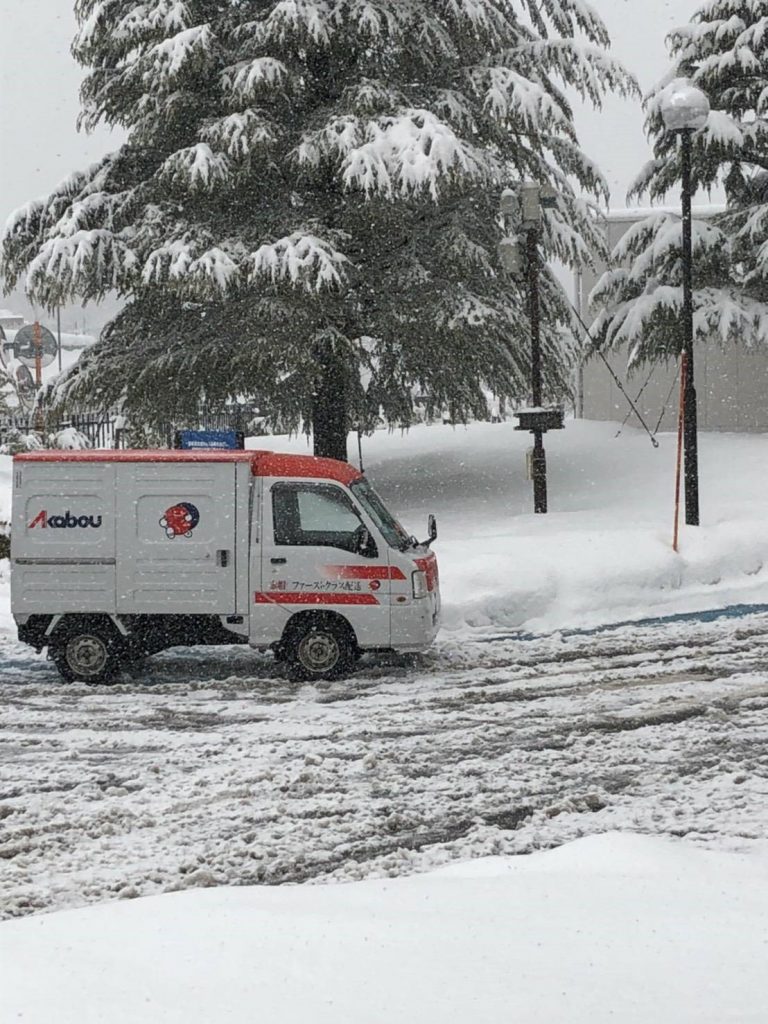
[317,515]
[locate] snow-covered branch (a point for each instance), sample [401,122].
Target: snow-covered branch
[242,135]
[301,259]
[257,78]
[84,263]
[191,268]
[196,168]
[414,152]
[509,96]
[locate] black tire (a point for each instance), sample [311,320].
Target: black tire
[86,652]
[319,648]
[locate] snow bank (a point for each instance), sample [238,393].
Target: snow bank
[604,552]
[613,927]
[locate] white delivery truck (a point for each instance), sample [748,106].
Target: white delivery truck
[116,555]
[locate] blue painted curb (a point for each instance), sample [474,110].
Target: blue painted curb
[733,611]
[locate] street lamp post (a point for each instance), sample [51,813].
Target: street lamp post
[684,109]
[522,210]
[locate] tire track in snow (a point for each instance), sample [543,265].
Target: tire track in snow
[237,776]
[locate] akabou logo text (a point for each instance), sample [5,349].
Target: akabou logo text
[65,522]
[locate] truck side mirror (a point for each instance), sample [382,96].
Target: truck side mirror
[431,529]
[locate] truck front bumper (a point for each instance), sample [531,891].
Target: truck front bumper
[415,626]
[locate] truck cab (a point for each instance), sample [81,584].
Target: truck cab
[117,555]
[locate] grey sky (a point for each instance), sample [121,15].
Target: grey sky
[39,82]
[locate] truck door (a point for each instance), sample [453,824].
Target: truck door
[176,538]
[312,558]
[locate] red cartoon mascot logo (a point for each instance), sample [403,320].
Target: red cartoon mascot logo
[180,520]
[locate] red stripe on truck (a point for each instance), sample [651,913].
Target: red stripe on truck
[363,572]
[303,597]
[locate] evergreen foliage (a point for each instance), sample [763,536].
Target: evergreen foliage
[304,177]
[724,51]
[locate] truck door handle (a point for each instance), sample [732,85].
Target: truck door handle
[278,561]
[222,558]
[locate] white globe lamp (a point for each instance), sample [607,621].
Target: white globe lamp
[684,107]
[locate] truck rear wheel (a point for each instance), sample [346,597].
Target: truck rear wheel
[86,652]
[320,648]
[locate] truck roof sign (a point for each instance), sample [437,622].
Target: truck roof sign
[222,440]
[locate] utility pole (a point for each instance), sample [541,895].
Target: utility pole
[522,210]
[38,347]
[37,337]
[539,462]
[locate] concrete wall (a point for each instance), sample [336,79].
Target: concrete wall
[732,383]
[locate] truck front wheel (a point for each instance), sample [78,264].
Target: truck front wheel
[85,652]
[320,648]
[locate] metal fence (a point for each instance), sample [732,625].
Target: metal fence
[110,429]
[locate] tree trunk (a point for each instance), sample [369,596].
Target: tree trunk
[330,422]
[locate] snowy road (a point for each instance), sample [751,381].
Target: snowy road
[484,746]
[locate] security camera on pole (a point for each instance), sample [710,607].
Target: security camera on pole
[521,212]
[685,109]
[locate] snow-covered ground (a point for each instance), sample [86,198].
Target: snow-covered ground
[208,769]
[612,928]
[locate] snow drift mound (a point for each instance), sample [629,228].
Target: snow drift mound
[614,927]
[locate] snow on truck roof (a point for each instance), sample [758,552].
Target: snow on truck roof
[263,463]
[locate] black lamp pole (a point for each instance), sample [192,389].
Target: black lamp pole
[684,110]
[690,432]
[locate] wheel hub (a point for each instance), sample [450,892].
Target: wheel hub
[319,652]
[86,655]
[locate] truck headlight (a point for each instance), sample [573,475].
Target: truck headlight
[419,583]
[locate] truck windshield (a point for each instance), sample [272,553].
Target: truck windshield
[392,532]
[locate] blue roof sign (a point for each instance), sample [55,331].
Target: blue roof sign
[222,439]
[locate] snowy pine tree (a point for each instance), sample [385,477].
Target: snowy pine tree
[307,199]
[724,51]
